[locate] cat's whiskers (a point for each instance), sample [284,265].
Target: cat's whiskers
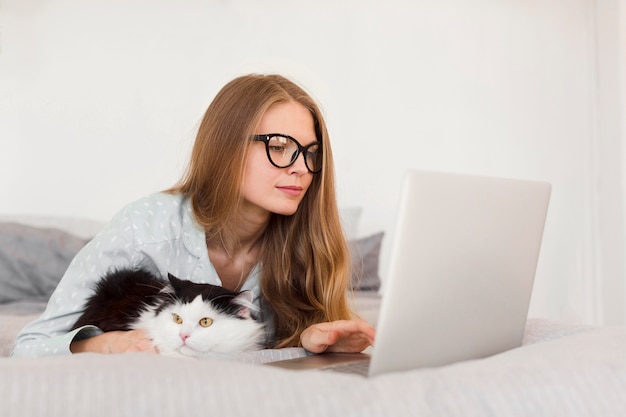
[221,296]
[163,288]
[238,300]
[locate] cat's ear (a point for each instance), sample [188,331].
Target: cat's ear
[176,282]
[244,300]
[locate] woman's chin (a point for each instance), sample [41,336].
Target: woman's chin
[286,210]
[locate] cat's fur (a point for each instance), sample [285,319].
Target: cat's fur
[172,313]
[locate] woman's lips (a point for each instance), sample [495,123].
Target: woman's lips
[293,191]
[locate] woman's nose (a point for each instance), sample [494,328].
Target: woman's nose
[299,166]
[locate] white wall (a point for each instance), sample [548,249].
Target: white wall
[609,140]
[98,101]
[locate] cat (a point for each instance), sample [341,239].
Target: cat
[181,317]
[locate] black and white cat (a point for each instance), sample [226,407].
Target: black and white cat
[181,317]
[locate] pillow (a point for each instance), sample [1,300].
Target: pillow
[365,253]
[33,260]
[81,227]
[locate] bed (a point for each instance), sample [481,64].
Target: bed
[561,369]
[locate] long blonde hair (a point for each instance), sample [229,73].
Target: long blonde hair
[304,257]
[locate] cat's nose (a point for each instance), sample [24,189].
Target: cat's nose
[183,336]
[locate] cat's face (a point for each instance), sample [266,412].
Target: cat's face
[199,329]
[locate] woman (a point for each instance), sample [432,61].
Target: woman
[255,211]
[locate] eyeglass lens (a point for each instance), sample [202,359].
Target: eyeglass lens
[283,151]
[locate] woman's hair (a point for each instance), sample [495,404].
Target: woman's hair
[304,257]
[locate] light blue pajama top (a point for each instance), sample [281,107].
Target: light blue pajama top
[158,233]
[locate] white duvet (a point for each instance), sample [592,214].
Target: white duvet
[560,371]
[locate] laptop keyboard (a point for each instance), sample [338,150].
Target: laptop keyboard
[357,367]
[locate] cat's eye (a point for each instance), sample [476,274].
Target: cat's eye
[206,321]
[177,319]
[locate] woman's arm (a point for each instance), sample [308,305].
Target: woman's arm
[115,342]
[51,333]
[338,336]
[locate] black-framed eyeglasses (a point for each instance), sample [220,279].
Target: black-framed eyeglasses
[283,150]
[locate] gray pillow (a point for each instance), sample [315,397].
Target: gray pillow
[365,253]
[33,260]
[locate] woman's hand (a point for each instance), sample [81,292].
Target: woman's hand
[338,336]
[115,342]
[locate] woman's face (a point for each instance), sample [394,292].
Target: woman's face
[266,188]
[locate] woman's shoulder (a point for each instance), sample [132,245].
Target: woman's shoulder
[157,211]
[158,203]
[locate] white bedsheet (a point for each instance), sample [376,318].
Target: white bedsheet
[560,371]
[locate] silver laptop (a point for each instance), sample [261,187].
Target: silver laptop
[462,268]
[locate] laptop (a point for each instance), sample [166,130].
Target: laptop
[462,267]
